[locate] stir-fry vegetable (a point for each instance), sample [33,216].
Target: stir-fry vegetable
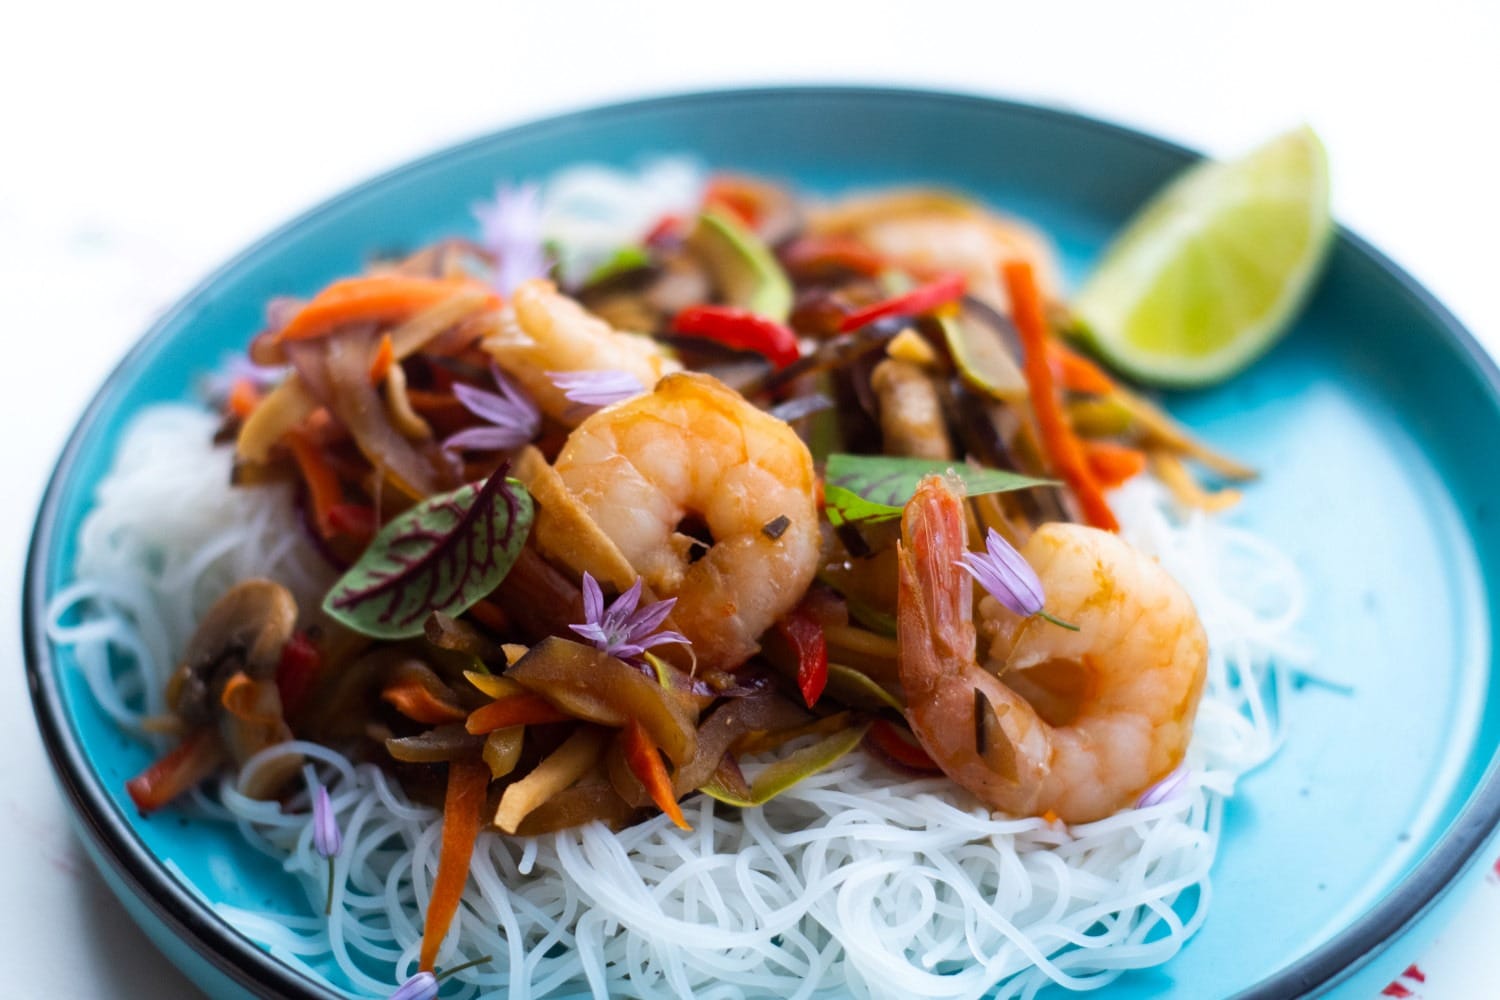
[590,571]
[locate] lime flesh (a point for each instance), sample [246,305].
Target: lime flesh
[1212,270]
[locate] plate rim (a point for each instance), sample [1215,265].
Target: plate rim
[115,842]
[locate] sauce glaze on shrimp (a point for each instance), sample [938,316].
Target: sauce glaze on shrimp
[1138,663]
[694,454]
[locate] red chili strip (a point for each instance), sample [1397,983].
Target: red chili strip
[892,741]
[740,329]
[922,299]
[805,634]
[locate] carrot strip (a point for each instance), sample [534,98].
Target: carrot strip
[490,615]
[376,298]
[1113,464]
[323,487]
[1058,441]
[646,764]
[385,356]
[246,700]
[1077,373]
[524,709]
[414,701]
[463,812]
[244,397]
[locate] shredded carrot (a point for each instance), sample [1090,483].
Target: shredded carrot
[409,697]
[1058,441]
[463,812]
[376,298]
[385,356]
[245,699]
[1077,373]
[244,397]
[1170,470]
[646,764]
[323,487]
[524,709]
[1050,817]
[1113,464]
[490,615]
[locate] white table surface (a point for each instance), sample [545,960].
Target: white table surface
[143,143]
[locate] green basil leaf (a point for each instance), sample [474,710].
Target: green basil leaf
[844,506]
[890,480]
[442,555]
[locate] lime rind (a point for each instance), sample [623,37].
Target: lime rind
[1211,271]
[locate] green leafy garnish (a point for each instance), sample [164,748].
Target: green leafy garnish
[873,488]
[442,555]
[627,258]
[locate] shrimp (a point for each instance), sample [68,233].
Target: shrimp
[1136,664]
[693,454]
[542,330]
[937,231]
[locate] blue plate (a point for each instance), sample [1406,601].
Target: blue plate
[1372,421]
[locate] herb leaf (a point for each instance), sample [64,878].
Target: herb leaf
[442,555]
[844,506]
[890,481]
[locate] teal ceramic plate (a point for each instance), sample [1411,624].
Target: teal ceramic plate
[1372,421]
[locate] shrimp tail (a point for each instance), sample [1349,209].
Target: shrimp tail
[934,600]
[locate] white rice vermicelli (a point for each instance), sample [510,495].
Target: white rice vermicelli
[859,881]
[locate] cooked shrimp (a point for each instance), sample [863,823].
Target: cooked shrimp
[1136,664]
[694,454]
[542,330]
[937,231]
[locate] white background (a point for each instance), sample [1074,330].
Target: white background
[142,143]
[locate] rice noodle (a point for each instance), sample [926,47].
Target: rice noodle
[858,881]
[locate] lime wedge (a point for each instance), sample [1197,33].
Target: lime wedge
[1212,270]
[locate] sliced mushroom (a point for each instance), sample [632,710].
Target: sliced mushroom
[227,676]
[244,630]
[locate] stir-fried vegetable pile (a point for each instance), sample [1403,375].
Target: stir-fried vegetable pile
[494,648]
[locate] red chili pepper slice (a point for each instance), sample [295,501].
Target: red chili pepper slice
[922,299]
[295,673]
[805,633]
[356,520]
[194,759]
[890,740]
[740,329]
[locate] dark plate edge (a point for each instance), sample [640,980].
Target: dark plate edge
[252,968]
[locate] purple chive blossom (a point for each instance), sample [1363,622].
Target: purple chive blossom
[597,388]
[218,385]
[1008,577]
[622,630]
[327,837]
[513,419]
[510,227]
[422,986]
[1167,788]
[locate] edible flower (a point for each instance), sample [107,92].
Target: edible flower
[513,418]
[597,388]
[1009,578]
[1167,788]
[327,837]
[510,227]
[424,985]
[621,630]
